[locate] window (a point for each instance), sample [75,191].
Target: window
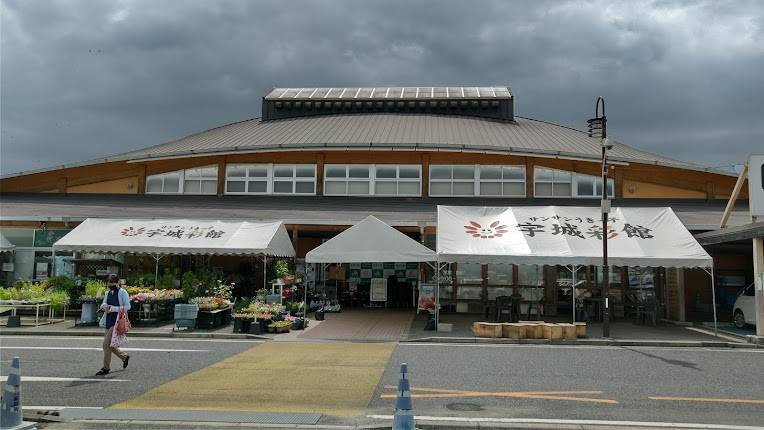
[201,180]
[506,181]
[372,180]
[452,180]
[271,179]
[165,183]
[397,180]
[591,186]
[347,180]
[552,183]
[294,179]
[477,180]
[559,183]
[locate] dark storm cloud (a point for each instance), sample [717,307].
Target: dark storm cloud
[83,79]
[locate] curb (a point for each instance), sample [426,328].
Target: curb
[91,333]
[589,342]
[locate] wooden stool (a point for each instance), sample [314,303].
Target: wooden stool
[552,331]
[513,331]
[580,329]
[568,331]
[486,329]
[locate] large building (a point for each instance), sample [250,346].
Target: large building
[321,159]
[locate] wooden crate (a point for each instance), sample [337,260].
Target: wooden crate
[513,330]
[486,329]
[533,329]
[552,331]
[568,331]
[580,329]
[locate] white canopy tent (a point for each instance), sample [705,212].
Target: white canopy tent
[370,241]
[161,237]
[562,235]
[6,245]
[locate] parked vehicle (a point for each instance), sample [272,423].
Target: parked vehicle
[744,310]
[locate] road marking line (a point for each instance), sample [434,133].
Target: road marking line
[136,339]
[594,347]
[80,348]
[545,395]
[574,422]
[60,379]
[58,408]
[707,399]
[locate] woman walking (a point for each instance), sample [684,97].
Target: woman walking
[116,299]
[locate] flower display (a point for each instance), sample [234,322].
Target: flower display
[210,303]
[140,294]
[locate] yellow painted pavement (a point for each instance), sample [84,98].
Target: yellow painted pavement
[333,379]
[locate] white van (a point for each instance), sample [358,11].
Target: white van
[744,311]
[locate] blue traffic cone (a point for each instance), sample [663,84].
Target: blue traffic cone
[10,404]
[403,419]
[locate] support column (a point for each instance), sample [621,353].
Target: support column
[758,269]
[680,294]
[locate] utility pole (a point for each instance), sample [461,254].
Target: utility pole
[598,128]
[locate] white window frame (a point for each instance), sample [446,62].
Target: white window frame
[347,179]
[574,178]
[476,180]
[162,177]
[597,180]
[294,179]
[397,180]
[372,179]
[269,178]
[501,181]
[189,175]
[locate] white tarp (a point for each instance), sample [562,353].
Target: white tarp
[178,236]
[370,241]
[5,244]
[650,237]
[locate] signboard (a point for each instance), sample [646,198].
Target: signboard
[363,273]
[41,270]
[378,290]
[7,267]
[756,185]
[426,300]
[46,238]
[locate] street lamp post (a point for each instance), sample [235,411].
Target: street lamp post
[598,128]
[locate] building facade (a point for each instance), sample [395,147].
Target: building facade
[321,159]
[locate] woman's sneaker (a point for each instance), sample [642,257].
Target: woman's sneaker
[102,372]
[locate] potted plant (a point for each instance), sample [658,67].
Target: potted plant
[279,326]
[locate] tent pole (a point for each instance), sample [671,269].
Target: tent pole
[53,262]
[573,291]
[265,268]
[713,297]
[437,293]
[156,270]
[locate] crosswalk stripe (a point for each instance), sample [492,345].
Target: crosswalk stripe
[81,348]
[60,379]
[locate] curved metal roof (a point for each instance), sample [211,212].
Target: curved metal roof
[394,131]
[400,131]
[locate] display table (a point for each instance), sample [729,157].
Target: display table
[209,319]
[15,305]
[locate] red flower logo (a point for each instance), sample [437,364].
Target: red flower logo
[130,231]
[489,232]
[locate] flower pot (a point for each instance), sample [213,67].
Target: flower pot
[319,315]
[282,329]
[255,328]
[88,315]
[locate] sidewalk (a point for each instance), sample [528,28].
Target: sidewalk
[67,328]
[622,333]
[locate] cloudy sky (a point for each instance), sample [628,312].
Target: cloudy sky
[83,79]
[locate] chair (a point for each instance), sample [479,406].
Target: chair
[505,305]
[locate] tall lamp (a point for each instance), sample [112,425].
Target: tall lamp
[598,129]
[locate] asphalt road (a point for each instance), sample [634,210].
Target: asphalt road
[153,362]
[719,386]
[626,378]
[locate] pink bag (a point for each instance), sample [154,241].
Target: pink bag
[118,338]
[122,325]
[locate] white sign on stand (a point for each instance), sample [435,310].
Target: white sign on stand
[378,291]
[756,185]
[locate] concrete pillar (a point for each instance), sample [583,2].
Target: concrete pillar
[758,269]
